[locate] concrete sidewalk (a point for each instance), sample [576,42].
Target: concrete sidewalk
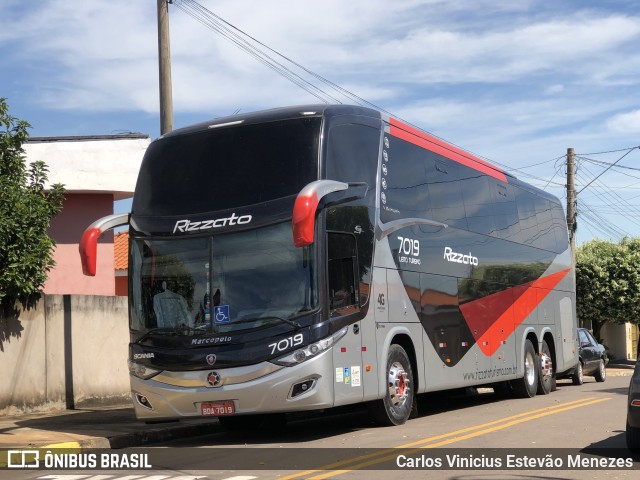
[116,427]
[95,428]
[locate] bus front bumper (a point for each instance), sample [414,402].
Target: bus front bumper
[261,388]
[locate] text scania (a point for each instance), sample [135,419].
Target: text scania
[189,226]
[138,356]
[451,256]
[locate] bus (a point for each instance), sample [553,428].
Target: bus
[311,257]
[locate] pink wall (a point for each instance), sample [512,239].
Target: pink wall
[78,212]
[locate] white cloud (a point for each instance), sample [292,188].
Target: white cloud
[628,122]
[102,56]
[515,81]
[554,89]
[505,67]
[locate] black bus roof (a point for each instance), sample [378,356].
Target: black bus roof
[297,111]
[277,114]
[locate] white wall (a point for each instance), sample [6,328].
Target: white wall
[68,350]
[86,165]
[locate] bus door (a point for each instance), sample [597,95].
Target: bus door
[344,298]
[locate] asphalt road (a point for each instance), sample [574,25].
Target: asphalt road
[473,430]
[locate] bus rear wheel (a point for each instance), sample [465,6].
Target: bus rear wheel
[527,386]
[546,375]
[397,404]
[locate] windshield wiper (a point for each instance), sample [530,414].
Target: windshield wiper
[293,323]
[177,330]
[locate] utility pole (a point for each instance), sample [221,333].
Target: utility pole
[571,202]
[164,58]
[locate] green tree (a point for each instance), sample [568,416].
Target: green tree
[26,210]
[608,282]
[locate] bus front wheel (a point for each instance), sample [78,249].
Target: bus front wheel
[397,403]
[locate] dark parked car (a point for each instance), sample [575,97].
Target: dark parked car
[593,358]
[633,410]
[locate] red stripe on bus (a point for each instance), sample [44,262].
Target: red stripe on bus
[429,142]
[495,317]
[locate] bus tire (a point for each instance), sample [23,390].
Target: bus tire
[527,386]
[397,404]
[546,383]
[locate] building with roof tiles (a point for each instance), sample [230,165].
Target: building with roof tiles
[121,262]
[95,171]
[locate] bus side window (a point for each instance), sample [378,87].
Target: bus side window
[342,269]
[560,227]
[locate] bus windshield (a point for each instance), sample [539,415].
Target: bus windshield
[220,169]
[221,284]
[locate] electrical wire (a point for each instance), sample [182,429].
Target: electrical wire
[611,199]
[610,151]
[259,50]
[542,163]
[305,78]
[615,167]
[606,169]
[263,53]
[210,20]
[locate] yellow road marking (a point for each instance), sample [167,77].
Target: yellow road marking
[64,445]
[4,460]
[446,439]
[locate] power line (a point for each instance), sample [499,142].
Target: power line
[612,199]
[248,43]
[214,22]
[263,53]
[542,163]
[606,169]
[610,151]
[600,162]
[598,222]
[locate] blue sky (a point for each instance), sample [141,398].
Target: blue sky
[517,82]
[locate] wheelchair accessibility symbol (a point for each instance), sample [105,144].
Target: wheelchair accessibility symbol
[221,314]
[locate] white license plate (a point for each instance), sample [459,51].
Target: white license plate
[217,409]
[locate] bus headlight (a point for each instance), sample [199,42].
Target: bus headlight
[142,371]
[310,351]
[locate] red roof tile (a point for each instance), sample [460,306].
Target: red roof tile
[121,250]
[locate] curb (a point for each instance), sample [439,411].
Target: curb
[125,440]
[134,439]
[622,366]
[139,439]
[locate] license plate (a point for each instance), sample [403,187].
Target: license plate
[217,409]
